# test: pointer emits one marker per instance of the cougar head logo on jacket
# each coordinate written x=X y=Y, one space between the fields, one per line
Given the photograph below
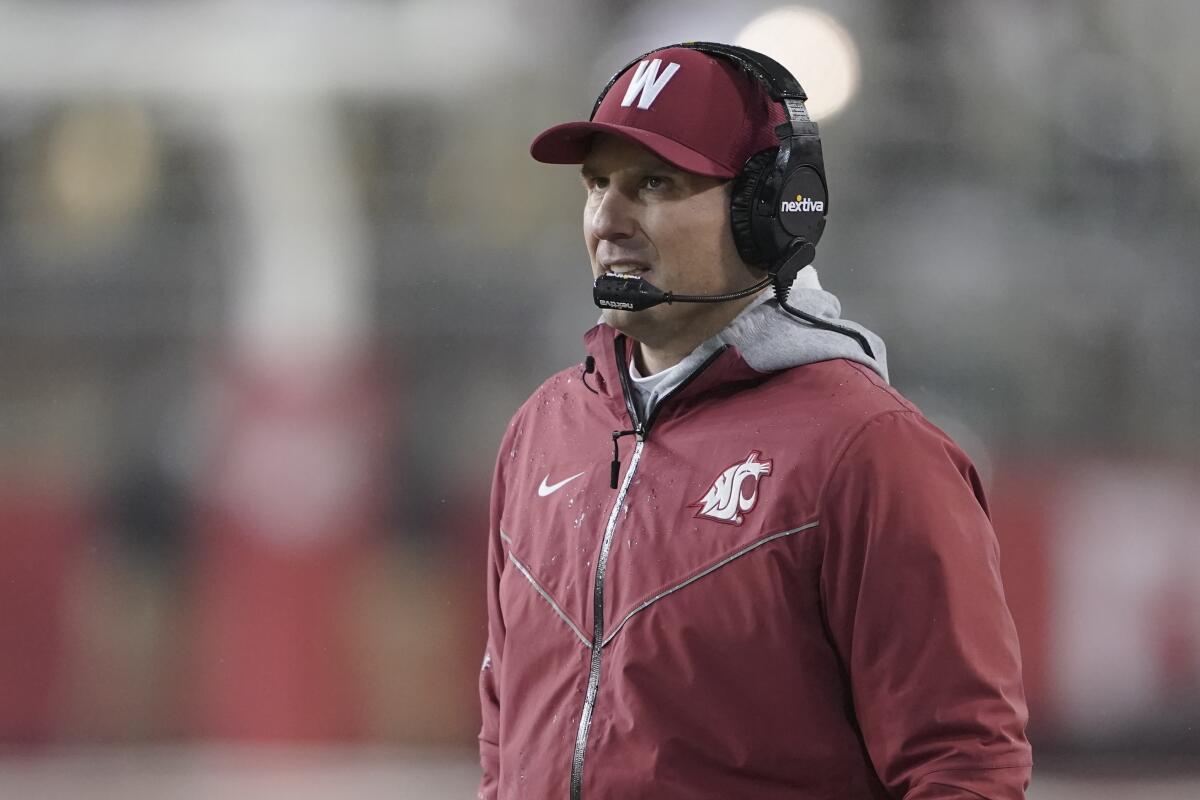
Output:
x=726 y=501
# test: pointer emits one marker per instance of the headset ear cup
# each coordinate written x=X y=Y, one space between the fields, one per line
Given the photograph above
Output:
x=742 y=199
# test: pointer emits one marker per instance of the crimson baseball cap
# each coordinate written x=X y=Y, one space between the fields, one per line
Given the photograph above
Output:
x=696 y=111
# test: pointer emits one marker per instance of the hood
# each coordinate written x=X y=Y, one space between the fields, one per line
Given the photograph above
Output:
x=770 y=339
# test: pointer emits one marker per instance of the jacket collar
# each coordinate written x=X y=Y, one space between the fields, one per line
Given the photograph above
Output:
x=612 y=351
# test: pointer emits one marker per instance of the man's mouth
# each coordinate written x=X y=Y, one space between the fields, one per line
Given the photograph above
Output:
x=625 y=268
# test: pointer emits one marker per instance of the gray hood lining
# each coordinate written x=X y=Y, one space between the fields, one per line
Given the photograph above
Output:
x=770 y=339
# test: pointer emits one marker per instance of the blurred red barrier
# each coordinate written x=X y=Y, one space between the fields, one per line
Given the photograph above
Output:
x=290 y=507
x=42 y=536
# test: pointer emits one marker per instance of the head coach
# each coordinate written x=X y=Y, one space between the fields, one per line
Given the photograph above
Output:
x=726 y=558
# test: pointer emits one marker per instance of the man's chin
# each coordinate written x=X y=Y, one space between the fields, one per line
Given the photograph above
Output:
x=644 y=326
x=621 y=320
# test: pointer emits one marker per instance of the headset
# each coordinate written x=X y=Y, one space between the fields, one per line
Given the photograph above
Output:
x=778 y=203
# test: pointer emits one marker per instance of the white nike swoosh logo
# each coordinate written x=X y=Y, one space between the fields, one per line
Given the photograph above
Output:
x=548 y=489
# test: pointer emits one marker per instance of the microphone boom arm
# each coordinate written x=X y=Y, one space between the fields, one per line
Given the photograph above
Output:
x=637 y=294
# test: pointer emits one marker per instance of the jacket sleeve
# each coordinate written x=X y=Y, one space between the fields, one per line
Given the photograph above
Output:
x=911 y=589
x=492 y=667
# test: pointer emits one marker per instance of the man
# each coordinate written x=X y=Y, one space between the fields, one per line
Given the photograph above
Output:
x=727 y=560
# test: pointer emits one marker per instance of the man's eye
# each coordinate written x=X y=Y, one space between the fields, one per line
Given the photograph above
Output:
x=655 y=182
x=596 y=183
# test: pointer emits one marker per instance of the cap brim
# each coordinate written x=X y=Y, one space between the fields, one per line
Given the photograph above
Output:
x=569 y=142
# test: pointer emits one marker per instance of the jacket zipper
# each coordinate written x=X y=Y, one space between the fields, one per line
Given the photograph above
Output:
x=589 y=701
x=641 y=430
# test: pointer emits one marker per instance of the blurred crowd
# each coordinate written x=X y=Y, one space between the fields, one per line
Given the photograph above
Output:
x=274 y=276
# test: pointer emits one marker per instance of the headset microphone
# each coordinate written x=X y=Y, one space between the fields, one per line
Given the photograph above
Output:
x=637 y=294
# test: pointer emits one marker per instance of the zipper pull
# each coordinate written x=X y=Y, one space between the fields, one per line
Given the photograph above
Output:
x=615 y=472
x=616 y=462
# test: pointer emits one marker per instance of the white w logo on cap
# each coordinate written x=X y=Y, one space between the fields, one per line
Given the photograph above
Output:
x=647 y=81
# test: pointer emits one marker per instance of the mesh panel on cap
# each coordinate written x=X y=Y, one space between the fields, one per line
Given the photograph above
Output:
x=762 y=116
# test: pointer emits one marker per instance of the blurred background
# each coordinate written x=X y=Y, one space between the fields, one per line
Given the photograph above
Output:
x=274 y=275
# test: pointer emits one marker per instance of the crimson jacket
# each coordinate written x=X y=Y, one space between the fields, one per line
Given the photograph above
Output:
x=793 y=591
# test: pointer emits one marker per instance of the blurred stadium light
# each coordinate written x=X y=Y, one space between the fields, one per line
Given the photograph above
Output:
x=811 y=43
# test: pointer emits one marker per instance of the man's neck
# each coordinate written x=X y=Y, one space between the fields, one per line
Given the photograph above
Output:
x=651 y=361
x=654 y=358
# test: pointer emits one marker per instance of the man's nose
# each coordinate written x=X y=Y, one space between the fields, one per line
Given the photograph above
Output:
x=611 y=216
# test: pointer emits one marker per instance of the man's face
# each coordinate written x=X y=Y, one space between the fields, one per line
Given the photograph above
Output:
x=647 y=218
